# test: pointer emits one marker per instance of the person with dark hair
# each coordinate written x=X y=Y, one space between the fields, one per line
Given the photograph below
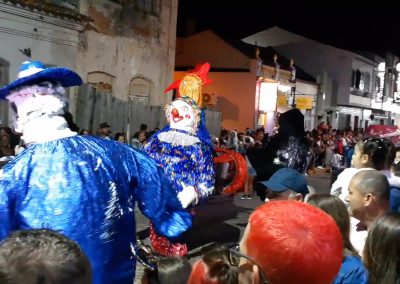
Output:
x=168 y=269
x=352 y=269
x=142 y=129
x=215 y=267
x=84 y=132
x=290 y=242
x=5 y=147
x=70 y=121
x=42 y=256
x=381 y=253
x=139 y=140
x=14 y=137
x=370 y=154
x=120 y=137
x=368 y=200
x=286 y=149
x=104 y=130
x=377 y=152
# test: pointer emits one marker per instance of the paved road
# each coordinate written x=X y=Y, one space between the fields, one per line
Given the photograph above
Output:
x=222 y=219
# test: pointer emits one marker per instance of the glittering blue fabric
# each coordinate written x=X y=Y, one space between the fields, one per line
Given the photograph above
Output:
x=202 y=132
x=85 y=188
x=191 y=164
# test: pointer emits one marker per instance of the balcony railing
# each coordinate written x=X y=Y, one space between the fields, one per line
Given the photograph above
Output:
x=270 y=72
x=360 y=93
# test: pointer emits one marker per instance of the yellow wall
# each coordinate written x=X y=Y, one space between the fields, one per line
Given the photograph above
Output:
x=236 y=97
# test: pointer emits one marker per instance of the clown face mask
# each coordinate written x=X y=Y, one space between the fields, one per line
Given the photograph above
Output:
x=182 y=116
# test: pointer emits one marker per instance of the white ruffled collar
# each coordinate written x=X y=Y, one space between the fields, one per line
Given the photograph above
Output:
x=46 y=129
x=178 y=138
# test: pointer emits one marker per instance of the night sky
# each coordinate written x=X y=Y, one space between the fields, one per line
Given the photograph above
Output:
x=366 y=26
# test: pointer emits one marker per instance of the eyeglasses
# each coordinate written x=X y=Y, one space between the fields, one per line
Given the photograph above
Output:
x=234 y=259
x=145 y=256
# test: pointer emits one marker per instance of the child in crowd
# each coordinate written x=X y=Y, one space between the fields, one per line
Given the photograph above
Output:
x=337 y=165
x=370 y=154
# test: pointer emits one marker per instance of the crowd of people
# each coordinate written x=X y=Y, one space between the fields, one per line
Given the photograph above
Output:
x=360 y=236
x=67 y=201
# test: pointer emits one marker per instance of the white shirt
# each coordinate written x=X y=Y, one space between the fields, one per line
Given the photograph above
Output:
x=340 y=187
x=357 y=236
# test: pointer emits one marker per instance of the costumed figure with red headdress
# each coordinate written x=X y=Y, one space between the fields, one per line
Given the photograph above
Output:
x=81 y=186
x=184 y=150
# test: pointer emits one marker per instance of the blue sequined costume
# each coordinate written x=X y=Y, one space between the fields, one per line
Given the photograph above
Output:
x=184 y=158
x=86 y=188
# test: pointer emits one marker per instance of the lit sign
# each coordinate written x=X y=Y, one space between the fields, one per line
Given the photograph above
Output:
x=304 y=102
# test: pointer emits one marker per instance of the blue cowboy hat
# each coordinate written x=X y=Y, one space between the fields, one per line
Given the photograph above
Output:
x=34 y=72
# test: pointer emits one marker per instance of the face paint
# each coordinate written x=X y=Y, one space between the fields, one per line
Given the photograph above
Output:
x=181 y=116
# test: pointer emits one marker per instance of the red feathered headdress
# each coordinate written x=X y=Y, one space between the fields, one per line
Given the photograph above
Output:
x=191 y=84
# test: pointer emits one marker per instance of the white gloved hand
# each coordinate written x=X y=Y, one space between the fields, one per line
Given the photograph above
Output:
x=187 y=195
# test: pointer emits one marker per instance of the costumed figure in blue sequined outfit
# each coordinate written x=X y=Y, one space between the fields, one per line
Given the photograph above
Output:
x=182 y=151
x=81 y=186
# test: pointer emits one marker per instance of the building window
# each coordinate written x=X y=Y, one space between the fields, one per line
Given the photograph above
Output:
x=353 y=78
x=362 y=81
x=358 y=79
x=140 y=90
x=367 y=82
x=102 y=81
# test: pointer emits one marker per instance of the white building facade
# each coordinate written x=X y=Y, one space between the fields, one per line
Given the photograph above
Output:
x=124 y=48
x=350 y=85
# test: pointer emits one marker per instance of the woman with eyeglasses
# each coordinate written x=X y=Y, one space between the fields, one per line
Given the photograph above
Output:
x=352 y=269
x=218 y=266
x=381 y=253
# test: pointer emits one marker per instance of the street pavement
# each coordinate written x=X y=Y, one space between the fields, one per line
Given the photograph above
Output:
x=221 y=219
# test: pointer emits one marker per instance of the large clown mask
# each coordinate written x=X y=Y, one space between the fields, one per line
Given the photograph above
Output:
x=183 y=114
x=35 y=103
